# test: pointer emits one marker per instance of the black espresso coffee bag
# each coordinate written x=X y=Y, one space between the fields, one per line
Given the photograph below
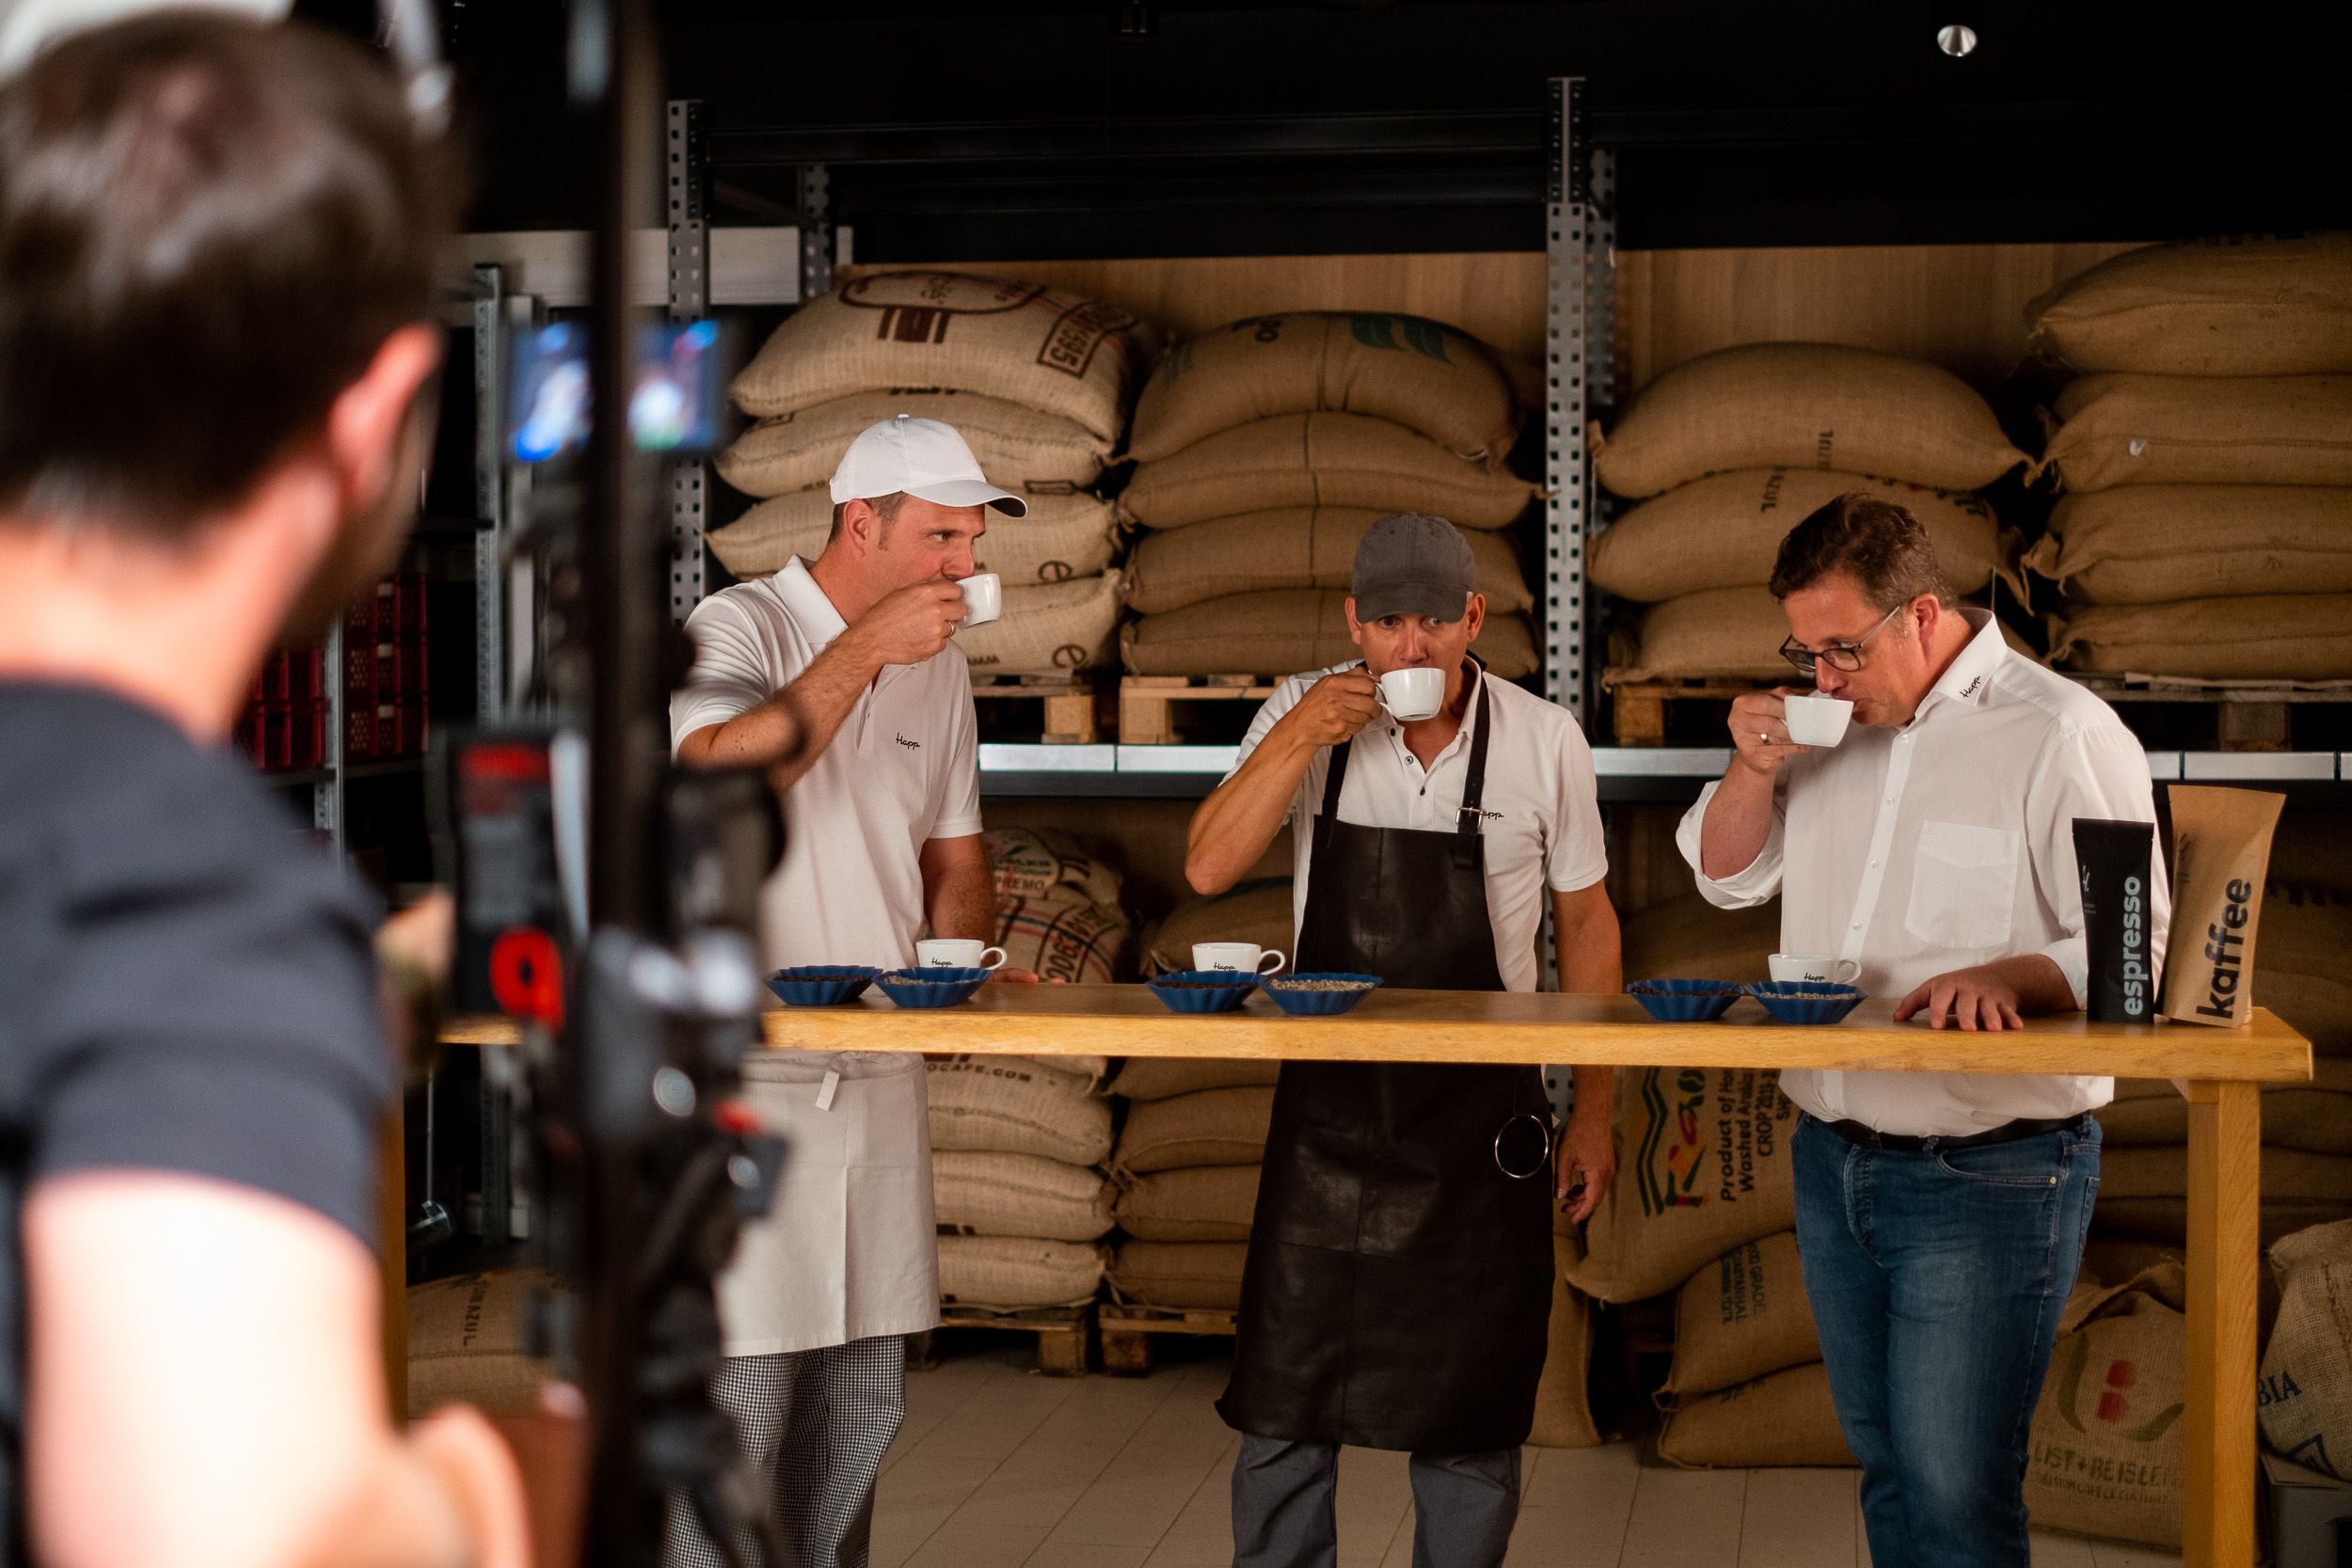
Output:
x=2220 y=850
x=2114 y=858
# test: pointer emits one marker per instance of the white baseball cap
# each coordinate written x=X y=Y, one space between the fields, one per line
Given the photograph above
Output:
x=925 y=459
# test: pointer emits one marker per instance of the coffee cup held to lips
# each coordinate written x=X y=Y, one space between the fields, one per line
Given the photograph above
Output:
x=957 y=953
x=983 y=597
x=1413 y=695
x=1798 y=966
x=1816 y=720
x=1236 y=958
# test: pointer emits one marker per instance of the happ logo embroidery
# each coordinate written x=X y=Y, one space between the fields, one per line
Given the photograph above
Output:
x=910 y=745
x=1970 y=689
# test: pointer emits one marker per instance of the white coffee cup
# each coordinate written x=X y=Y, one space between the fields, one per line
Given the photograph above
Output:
x=1236 y=958
x=1797 y=966
x=957 y=953
x=983 y=597
x=1817 y=720
x=1413 y=695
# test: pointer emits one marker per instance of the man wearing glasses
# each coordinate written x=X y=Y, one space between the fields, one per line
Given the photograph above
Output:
x=1939 y=1214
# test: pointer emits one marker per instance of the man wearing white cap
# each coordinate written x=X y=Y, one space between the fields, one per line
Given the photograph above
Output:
x=839 y=679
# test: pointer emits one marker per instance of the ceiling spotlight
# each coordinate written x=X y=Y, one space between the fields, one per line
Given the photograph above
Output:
x=1958 y=41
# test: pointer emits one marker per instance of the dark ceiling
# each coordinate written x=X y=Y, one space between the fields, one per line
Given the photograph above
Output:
x=972 y=131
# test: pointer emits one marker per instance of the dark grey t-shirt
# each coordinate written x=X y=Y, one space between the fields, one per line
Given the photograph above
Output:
x=185 y=986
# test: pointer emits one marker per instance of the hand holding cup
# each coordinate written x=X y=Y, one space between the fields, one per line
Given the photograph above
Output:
x=1759 y=730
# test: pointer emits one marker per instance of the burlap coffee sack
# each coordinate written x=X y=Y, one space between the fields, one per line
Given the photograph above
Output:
x=2206 y=308
x=1285 y=630
x=1726 y=633
x=976 y=1194
x=1300 y=547
x=1165 y=1077
x=1062 y=936
x=2288 y=1175
x=2305 y=979
x=1320 y=460
x=2152 y=544
x=2165 y=1220
x=470 y=1342
x=1035 y=863
x=1258 y=912
x=1063 y=538
x=1786 y=1419
x=1079 y=359
x=1017 y=448
x=1422 y=374
x=1805 y=405
x=1743 y=1317
x=2106 y=1456
x=2169 y=430
x=2304 y=1400
x=1725 y=531
x=1564 y=1399
x=1002 y=1104
x=1196 y=1203
x=1689 y=939
x=1006 y=1273
x=2314 y=1117
x=1047 y=629
x=1702 y=1167
x=1202 y=1274
x=2273 y=637
x=1093 y=1072
x=1209 y=1127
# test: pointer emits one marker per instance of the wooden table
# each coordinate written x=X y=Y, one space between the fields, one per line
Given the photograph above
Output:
x=2219 y=1069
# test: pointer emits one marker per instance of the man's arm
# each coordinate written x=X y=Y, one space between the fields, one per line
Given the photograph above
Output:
x=790 y=731
x=1233 y=826
x=1584 y=928
x=958 y=894
x=205 y=1388
x=1738 y=823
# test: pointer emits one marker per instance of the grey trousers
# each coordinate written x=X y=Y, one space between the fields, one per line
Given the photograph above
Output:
x=1464 y=1505
x=815 y=1424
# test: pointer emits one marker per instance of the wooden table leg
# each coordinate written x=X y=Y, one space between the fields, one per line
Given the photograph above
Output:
x=2224 y=1253
x=391 y=1206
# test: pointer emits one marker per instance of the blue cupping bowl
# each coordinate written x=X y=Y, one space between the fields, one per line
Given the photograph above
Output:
x=1805 y=1001
x=1685 y=1000
x=1203 y=991
x=820 y=985
x=931 y=987
x=1318 y=995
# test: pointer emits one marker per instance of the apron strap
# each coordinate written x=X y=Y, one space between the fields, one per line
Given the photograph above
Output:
x=1474 y=787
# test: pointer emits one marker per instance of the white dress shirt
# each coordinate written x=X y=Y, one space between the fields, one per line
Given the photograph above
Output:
x=1942 y=844
x=848 y=1251
x=1542 y=810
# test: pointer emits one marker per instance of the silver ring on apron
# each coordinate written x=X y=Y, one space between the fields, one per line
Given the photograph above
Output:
x=1543 y=1125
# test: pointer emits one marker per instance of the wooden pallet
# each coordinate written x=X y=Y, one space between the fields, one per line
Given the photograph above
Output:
x=1069 y=699
x=1148 y=704
x=1641 y=705
x=1127 y=1332
x=1061 y=1335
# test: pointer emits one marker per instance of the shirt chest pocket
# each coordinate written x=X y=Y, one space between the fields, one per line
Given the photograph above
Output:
x=1963 y=888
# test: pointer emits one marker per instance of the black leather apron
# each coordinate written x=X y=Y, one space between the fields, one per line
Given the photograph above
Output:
x=1399 y=1280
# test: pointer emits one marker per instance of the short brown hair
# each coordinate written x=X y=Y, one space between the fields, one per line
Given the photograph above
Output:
x=208 y=228
x=886 y=507
x=1875 y=541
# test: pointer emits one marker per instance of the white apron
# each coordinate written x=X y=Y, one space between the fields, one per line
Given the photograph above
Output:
x=850 y=1251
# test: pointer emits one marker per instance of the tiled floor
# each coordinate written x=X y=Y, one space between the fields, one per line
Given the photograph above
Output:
x=997 y=1467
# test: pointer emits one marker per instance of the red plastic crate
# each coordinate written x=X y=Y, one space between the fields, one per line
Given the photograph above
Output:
x=309 y=723
x=415 y=607
x=370 y=731
x=306 y=674
x=277 y=671
x=414 y=726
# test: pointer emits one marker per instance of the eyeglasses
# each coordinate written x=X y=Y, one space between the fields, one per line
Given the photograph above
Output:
x=1846 y=657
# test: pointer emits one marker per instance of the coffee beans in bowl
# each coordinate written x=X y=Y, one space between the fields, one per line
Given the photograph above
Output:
x=1318 y=995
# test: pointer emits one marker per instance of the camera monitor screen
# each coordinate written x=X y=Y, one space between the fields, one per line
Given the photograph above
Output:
x=673 y=405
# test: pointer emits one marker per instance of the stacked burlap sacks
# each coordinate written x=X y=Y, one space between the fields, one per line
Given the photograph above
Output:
x=1268 y=447
x=1058 y=914
x=2305 y=1397
x=1017 y=1152
x=2105 y=1455
x=1187 y=1167
x=2206 y=460
x=470 y=1342
x=1728 y=452
x=1039 y=384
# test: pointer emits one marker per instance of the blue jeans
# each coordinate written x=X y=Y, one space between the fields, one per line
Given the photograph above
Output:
x=1937 y=1279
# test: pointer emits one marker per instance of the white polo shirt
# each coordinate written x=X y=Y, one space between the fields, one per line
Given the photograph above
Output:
x=903 y=769
x=1942 y=844
x=1542 y=809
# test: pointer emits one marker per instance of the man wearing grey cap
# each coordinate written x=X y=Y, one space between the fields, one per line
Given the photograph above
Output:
x=1400 y=1270
x=837 y=676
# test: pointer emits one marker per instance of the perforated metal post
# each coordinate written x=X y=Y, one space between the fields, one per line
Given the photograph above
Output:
x=690 y=300
x=815 y=232
x=1579 y=264
x=490 y=323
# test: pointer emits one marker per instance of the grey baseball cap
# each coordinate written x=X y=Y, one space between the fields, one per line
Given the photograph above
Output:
x=1411 y=564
